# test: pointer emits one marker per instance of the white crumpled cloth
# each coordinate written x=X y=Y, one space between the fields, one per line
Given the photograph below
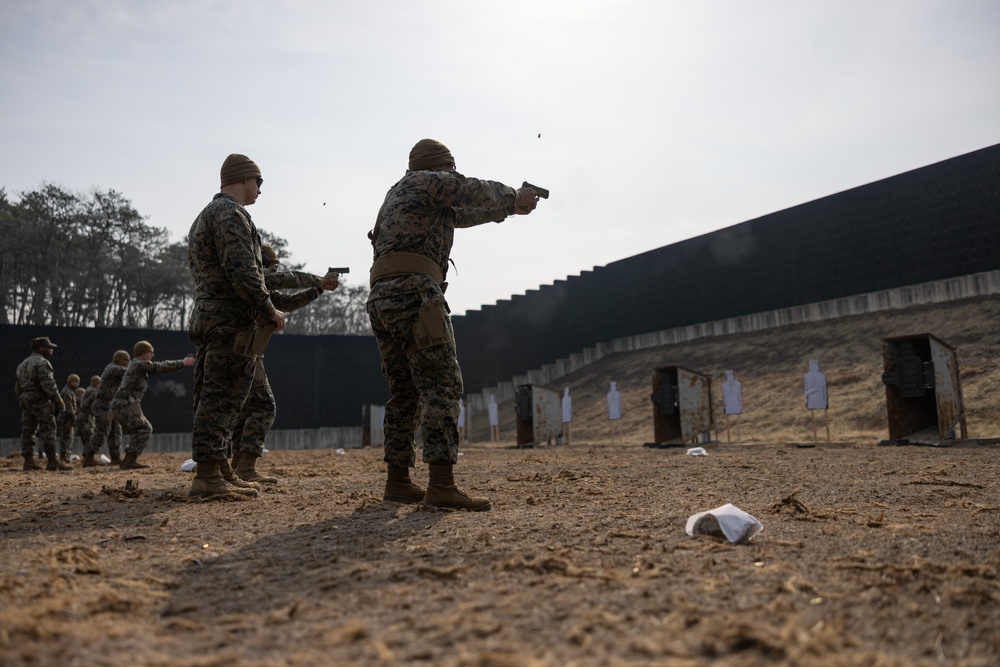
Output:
x=727 y=521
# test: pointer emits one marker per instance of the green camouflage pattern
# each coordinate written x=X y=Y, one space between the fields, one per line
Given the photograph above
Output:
x=38 y=397
x=258 y=412
x=420 y=214
x=107 y=427
x=86 y=404
x=38 y=418
x=107 y=430
x=225 y=261
x=255 y=419
x=224 y=258
x=35 y=381
x=127 y=403
x=111 y=380
x=424 y=386
x=135 y=380
x=68 y=395
x=84 y=419
x=66 y=420
x=282 y=279
x=222 y=389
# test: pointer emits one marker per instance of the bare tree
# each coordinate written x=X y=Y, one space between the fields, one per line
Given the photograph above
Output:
x=92 y=260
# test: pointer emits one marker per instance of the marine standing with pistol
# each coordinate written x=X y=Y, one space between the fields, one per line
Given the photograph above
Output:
x=224 y=256
x=258 y=413
x=412 y=242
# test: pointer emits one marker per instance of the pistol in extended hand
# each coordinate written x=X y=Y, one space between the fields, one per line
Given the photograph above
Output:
x=342 y=269
x=541 y=192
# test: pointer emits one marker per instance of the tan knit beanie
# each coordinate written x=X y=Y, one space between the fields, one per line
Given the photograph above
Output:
x=238 y=168
x=73 y=378
x=269 y=254
x=427 y=154
x=142 y=347
x=95 y=380
x=120 y=355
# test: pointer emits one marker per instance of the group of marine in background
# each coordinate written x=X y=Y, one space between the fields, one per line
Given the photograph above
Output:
x=101 y=414
x=111 y=407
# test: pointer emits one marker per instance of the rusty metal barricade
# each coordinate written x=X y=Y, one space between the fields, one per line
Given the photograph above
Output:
x=682 y=406
x=538 y=412
x=923 y=391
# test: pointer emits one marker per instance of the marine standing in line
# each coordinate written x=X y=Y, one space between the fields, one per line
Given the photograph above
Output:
x=412 y=242
x=107 y=425
x=38 y=396
x=127 y=403
x=84 y=425
x=85 y=415
x=66 y=420
x=233 y=318
x=258 y=413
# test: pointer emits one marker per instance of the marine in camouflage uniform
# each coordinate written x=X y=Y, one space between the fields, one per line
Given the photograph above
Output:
x=84 y=418
x=39 y=399
x=66 y=420
x=127 y=403
x=258 y=413
x=107 y=425
x=412 y=243
x=224 y=257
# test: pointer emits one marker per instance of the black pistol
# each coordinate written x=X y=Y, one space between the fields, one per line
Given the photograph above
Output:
x=541 y=192
x=341 y=270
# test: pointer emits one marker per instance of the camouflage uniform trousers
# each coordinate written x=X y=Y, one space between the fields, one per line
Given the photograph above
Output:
x=424 y=384
x=222 y=377
x=67 y=432
x=222 y=383
x=257 y=415
x=107 y=429
x=136 y=427
x=37 y=417
x=85 y=429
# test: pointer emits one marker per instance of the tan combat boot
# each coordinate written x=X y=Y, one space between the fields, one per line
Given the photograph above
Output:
x=246 y=471
x=130 y=462
x=30 y=463
x=399 y=488
x=116 y=459
x=90 y=460
x=208 y=482
x=230 y=477
x=52 y=462
x=442 y=492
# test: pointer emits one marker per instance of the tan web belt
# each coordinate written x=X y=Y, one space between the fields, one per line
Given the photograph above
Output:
x=403 y=263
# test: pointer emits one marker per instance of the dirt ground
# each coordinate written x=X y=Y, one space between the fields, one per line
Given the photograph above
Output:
x=869 y=556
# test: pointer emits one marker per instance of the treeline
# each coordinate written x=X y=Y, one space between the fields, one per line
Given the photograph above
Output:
x=91 y=260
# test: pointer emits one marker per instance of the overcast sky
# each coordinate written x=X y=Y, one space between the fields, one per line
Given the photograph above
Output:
x=659 y=120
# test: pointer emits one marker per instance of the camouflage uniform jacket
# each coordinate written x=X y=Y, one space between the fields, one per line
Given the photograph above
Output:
x=87 y=402
x=136 y=380
x=289 y=279
x=35 y=381
x=276 y=280
x=111 y=379
x=225 y=261
x=420 y=214
x=68 y=395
